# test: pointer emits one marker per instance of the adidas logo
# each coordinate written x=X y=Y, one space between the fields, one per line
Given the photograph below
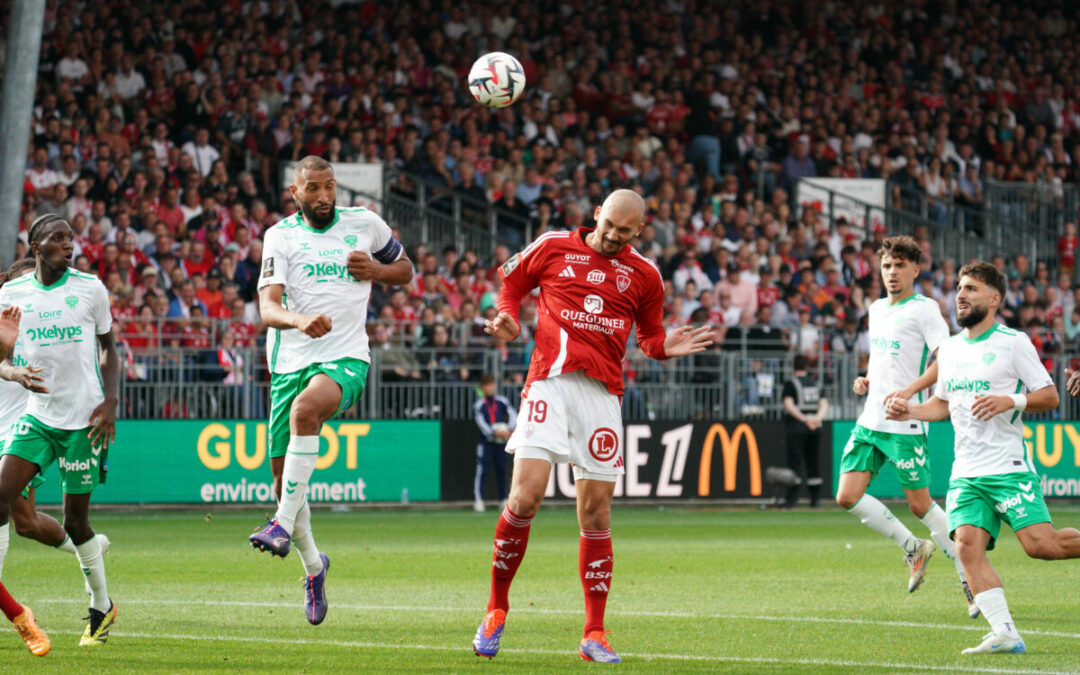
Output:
x=600 y=587
x=500 y=565
x=568 y=272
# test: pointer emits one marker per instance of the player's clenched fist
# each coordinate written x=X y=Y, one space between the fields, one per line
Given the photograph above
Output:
x=313 y=325
x=860 y=386
x=502 y=326
x=361 y=266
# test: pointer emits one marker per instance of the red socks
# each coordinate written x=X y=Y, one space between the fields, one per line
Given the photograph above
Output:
x=9 y=605
x=511 y=538
x=595 y=564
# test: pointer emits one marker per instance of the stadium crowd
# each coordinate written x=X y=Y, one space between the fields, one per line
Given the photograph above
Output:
x=159 y=131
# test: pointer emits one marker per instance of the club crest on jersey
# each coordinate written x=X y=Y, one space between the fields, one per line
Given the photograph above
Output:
x=988 y=358
x=350 y=239
x=268 y=267
x=622 y=282
x=71 y=301
x=510 y=265
x=596 y=277
x=594 y=304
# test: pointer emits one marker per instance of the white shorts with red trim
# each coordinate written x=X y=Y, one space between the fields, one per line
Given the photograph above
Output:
x=571 y=418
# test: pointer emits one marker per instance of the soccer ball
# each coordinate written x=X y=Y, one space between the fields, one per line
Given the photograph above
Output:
x=496 y=80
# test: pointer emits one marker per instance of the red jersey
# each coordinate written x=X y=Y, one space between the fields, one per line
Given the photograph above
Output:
x=588 y=304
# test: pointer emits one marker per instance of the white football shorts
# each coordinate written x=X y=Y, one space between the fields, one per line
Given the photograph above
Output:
x=571 y=418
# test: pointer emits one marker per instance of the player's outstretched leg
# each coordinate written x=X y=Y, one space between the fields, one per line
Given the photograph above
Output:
x=22 y=618
x=852 y=496
x=511 y=540
x=316 y=565
x=971 y=545
x=595 y=565
x=938 y=523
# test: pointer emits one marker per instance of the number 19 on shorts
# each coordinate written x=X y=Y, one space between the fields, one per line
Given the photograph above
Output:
x=537 y=411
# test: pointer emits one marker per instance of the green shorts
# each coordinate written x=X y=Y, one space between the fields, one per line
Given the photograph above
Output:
x=985 y=501
x=867 y=450
x=80 y=468
x=350 y=375
x=37 y=481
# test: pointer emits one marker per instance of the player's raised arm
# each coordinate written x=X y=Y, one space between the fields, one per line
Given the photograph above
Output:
x=363 y=267
x=274 y=315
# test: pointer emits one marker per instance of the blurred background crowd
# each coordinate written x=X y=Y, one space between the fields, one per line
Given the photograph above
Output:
x=160 y=132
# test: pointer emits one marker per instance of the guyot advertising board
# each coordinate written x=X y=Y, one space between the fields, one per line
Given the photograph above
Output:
x=228 y=461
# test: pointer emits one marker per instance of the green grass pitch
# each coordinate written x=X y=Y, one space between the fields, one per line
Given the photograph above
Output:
x=709 y=590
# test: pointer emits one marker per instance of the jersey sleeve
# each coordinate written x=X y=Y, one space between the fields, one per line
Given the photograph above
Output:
x=384 y=247
x=935 y=330
x=789 y=391
x=520 y=274
x=1029 y=369
x=275 y=264
x=102 y=313
x=650 y=319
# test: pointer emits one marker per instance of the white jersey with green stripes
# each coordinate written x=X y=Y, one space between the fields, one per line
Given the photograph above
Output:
x=312 y=266
x=902 y=338
x=999 y=362
x=58 y=333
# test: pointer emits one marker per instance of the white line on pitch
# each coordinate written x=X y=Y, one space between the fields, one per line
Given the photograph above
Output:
x=536 y=610
x=555 y=652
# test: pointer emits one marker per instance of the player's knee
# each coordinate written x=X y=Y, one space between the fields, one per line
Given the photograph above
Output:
x=524 y=503
x=24 y=528
x=846 y=500
x=305 y=418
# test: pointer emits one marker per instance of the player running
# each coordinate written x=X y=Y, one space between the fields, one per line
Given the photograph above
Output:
x=984 y=373
x=65 y=320
x=317 y=269
x=905 y=329
x=17 y=379
x=593 y=288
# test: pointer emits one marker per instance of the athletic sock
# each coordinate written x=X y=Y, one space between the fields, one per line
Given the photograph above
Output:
x=996 y=610
x=68 y=546
x=300 y=461
x=511 y=538
x=5 y=534
x=880 y=519
x=595 y=562
x=305 y=543
x=93 y=568
x=938 y=524
x=9 y=605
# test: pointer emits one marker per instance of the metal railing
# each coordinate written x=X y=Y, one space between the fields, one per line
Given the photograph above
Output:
x=410 y=381
x=968 y=235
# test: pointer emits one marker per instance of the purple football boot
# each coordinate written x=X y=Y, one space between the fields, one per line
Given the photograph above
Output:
x=273 y=537
x=315 y=593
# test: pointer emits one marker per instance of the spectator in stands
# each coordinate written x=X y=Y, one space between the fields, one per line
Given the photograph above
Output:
x=185 y=300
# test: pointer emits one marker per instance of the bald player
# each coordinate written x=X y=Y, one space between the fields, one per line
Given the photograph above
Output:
x=593 y=289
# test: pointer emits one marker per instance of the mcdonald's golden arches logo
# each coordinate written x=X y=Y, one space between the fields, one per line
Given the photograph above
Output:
x=729 y=447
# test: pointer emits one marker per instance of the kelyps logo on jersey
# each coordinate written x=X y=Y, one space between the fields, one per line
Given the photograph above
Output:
x=54 y=332
x=967 y=384
x=326 y=271
x=885 y=344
